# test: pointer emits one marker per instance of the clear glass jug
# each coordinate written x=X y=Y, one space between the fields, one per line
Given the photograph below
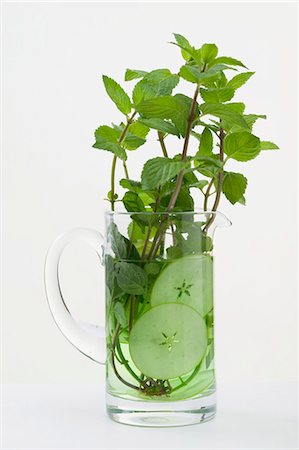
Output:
x=158 y=343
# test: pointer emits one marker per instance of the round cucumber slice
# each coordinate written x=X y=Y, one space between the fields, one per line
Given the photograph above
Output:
x=168 y=341
x=189 y=281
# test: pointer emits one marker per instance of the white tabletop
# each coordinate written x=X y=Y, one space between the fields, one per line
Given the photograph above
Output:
x=68 y=416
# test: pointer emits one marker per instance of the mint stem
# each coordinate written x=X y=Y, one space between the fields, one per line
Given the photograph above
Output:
x=207 y=194
x=188 y=379
x=132 y=307
x=220 y=175
x=162 y=143
x=220 y=182
x=126 y=170
x=113 y=167
x=115 y=341
x=179 y=180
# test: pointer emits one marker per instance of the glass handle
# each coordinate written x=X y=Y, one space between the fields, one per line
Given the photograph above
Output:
x=87 y=338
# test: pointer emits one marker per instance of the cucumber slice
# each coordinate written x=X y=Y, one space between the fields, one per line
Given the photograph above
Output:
x=168 y=341
x=201 y=382
x=189 y=281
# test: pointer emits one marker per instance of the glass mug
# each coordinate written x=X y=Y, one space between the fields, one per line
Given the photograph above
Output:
x=158 y=343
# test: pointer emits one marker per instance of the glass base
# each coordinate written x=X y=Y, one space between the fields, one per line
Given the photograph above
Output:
x=161 y=414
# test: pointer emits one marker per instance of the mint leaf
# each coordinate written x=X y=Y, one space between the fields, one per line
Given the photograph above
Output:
x=242 y=146
x=158 y=170
x=221 y=82
x=227 y=60
x=209 y=166
x=200 y=184
x=137 y=231
x=161 y=107
x=195 y=75
x=156 y=83
x=134 y=186
x=109 y=267
x=184 y=201
x=238 y=81
x=117 y=241
x=234 y=186
x=120 y=313
x=139 y=129
x=110 y=196
x=242 y=200
x=116 y=291
x=106 y=139
x=181 y=40
x=197 y=242
x=175 y=108
x=187 y=50
x=267 y=145
x=132 y=202
x=208 y=52
x=190 y=73
x=147 y=197
x=117 y=95
x=206 y=143
x=107 y=133
x=237 y=107
x=160 y=125
x=132 y=142
x=250 y=119
x=219 y=95
x=131 y=278
x=133 y=74
x=135 y=135
x=174 y=252
x=224 y=112
x=213 y=159
x=181 y=112
x=189 y=178
x=152 y=268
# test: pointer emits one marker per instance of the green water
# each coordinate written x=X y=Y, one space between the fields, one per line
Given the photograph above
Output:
x=160 y=343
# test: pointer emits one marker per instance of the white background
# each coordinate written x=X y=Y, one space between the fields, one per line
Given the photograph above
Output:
x=54 y=55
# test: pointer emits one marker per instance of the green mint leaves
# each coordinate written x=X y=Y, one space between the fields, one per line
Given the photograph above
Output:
x=208 y=53
x=107 y=139
x=223 y=112
x=206 y=143
x=197 y=136
x=158 y=170
x=234 y=186
x=267 y=145
x=228 y=60
x=242 y=146
x=156 y=83
x=174 y=108
x=131 y=278
x=133 y=74
x=238 y=81
x=117 y=95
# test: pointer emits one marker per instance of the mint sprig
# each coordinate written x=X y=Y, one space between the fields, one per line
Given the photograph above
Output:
x=212 y=130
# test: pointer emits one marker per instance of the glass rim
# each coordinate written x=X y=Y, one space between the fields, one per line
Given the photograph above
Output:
x=153 y=213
